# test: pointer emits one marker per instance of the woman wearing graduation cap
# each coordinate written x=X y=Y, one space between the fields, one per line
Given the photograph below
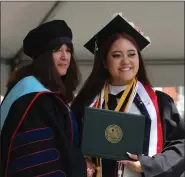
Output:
x=119 y=82
x=40 y=134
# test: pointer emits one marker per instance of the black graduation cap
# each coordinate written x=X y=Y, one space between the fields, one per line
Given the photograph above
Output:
x=117 y=25
x=46 y=37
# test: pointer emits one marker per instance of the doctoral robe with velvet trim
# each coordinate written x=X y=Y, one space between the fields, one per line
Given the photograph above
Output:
x=40 y=138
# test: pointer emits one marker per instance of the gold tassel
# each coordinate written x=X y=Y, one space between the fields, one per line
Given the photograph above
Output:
x=98 y=168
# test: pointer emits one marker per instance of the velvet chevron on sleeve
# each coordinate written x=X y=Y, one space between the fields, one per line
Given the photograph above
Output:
x=41 y=142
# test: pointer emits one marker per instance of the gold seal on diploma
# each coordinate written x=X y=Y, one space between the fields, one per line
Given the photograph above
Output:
x=113 y=133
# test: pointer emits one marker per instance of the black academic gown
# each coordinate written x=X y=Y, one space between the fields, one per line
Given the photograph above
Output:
x=170 y=162
x=45 y=144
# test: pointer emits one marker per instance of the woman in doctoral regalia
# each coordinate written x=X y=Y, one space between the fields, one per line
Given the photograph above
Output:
x=40 y=135
x=119 y=82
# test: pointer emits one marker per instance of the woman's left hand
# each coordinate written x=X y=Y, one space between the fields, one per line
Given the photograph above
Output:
x=135 y=165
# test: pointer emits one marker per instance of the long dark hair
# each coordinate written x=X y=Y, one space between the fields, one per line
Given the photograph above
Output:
x=99 y=74
x=43 y=69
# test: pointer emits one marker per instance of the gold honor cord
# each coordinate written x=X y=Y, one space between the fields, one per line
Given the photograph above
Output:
x=133 y=90
x=120 y=103
x=123 y=97
x=98 y=168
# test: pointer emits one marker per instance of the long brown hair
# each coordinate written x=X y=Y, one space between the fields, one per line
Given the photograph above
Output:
x=43 y=69
x=99 y=74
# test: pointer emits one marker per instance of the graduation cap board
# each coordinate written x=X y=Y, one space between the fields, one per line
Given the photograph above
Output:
x=117 y=25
